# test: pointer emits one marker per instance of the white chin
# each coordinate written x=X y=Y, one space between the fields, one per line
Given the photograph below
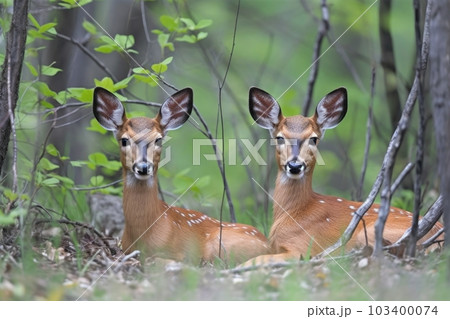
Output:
x=295 y=176
x=143 y=177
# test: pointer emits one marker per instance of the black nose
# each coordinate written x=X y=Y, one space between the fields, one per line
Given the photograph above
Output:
x=142 y=168
x=295 y=167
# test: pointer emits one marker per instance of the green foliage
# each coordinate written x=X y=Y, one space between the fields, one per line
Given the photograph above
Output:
x=180 y=29
x=120 y=43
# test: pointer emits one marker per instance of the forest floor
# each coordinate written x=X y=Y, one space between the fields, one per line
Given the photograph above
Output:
x=73 y=261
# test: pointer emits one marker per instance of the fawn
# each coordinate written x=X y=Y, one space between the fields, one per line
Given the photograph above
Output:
x=151 y=225
x=302 y=219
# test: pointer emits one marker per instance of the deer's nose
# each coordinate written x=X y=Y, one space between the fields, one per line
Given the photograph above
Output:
x=141 y=168
x=295 y=167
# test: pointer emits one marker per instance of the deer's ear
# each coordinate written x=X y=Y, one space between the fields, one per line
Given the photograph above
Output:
x=264 y=109
x=331 y=109
x=176 y=110
x=108 y=110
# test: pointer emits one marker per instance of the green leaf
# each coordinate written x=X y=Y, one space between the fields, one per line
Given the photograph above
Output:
x=50 y=182
x=11 y=218
x=45 y=164
x=96 y=127
x=46 y=27
x=78 y=163
x=10 y=195
x=187 y=38
x=105 y=49
x=203 y=24
x=98 y=158
x=203 y=181
x=61 y=97
x=106 y=83
x=167 y=60
x=44 y=89
x=124 y=41
x=163 y=40
x=201 y=35
x=96 y=180
x=189 y=23
x=152 y=80
x=169 y=23
x=31 y=68
x=89 y=27
x=162 y=67
x=66 y=182
x=52 y=150
x=69 y=4
x=81 y=94
x=123 y=84
x=49 y=70
x=34 y=21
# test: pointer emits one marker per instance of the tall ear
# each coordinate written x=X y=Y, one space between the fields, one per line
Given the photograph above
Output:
x=264 y=108
x=108 y=110
x=176 y=110
x=331 y=109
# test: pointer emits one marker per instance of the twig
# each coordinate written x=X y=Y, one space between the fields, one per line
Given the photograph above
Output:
x=401 y=177
x=220 y=115
x=425 y=224
x=125 y=258
x=323 y=29
x=95 y=187
x=78 y=224
x=89 y=54
x=368 y=138
x=339 y=49
x=432 y=240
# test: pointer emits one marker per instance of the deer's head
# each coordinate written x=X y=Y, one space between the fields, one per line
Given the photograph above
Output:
x=297 y=137
x=140 y=138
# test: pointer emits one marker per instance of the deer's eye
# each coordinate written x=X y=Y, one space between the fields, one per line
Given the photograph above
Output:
x=280 y=140
x=313 y=140
x=124 y=141
x=158 y=141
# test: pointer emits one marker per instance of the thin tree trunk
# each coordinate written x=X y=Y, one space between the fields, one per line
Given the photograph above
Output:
x=11 y=71
x=440 y=93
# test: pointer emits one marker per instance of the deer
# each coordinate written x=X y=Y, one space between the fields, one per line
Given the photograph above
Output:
x=152 y=226
x=305 y=222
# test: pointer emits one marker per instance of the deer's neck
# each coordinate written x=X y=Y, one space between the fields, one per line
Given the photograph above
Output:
x=141 y=205
x=292 y=196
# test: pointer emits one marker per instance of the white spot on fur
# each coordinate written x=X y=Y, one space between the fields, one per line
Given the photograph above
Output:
x=339 y=199
x=322 y=201
x=351 y=207
x=328 y=220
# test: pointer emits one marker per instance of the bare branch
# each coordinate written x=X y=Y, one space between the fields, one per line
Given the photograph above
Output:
x=388 y=162
x=401 y=177
x=323 y=29
x=398 y=137
x=425 y=224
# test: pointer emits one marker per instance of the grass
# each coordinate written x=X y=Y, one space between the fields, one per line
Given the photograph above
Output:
x=86 y=269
